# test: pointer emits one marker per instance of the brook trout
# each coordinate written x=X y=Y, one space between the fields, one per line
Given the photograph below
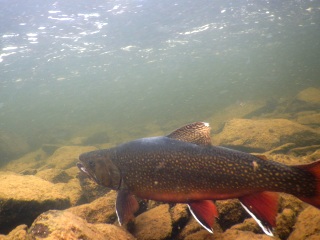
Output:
x=183 y=167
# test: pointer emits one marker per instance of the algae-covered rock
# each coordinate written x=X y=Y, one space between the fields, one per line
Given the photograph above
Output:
x=61 y=225
x=179 y=216
x=238 y=110
x=230 y=213
x=285 y=222
x=265 y=134
x=67 y=156
x=154 y=224
x=309 y=95
x=73 y=190
x=232 y=234
x=90 y=189
x=23 y=198
x=311 y=118
x=307 y=226
x=29 y=161
x=102 y=210
x=54 y=175
x=19 y=233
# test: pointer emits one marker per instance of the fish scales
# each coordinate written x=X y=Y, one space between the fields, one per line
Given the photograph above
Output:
x=191 y=168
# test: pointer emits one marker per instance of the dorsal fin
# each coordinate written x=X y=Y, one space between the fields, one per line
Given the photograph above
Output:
x=261 y=156
x=197 y=132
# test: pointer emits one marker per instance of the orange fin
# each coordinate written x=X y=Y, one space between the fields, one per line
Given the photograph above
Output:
x=314 y=169
x=126 y=206
x=197 y=132
x=263 y=207
x=204 y=212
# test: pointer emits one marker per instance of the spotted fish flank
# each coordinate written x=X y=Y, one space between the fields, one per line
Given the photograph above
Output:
x=183 y=167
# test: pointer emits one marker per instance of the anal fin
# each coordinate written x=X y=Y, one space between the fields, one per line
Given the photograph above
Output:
x=204 y=212
x=263 y=207
x=126 y=206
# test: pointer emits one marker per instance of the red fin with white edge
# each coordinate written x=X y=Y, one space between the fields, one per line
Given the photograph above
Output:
x=314 y=169
x=263 y=207
x=204 y=212
x=126 y=206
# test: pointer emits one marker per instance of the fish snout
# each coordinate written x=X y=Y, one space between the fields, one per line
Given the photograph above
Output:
x=84 y=170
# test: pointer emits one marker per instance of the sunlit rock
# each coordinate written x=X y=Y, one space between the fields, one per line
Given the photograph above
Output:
x=310 y=95
x=23 y=198
x=65 y=225
x=264 y=134
x=101 y=210
x=154 y=224
x=310 y=231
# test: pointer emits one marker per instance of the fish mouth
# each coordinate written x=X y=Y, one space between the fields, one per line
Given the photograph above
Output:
x=84 y=170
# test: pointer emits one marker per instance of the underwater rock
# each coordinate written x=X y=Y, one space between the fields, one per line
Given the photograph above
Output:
x=12 y=146
x=67 y=156
x=230 y=213
x=310 y=231
x=90 y=190
x=249 y=225
x=285 y=222
x=30 y=161
x=232 y=234
x=310 y=118
x=191 y=227
x=201 y=235
x=179 y=215
x=154 y=224
x=19 y=233
x=309 y=95
x=50 y=148
x=61 y=225
x=23 y=198
x=306 y=100
x=237 y=110
x=54 y=175
x=264 y=134
x=73 y=190
x=101 y=210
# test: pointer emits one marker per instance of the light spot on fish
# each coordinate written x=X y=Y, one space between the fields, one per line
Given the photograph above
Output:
x=255 y=166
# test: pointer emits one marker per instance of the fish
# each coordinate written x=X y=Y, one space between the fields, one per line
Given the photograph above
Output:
x=184 y=167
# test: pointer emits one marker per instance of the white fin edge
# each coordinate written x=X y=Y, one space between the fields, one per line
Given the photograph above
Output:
x=206 y=124
x=210 y=230
x=118 y=215
x=266 y=230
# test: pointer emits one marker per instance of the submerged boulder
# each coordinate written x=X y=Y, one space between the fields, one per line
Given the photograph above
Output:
x=61 y=225
x=309 y=95
x=310 y=231
x=265 y=134
x=66 y=157
x=102 y=210
x=154 y=224
x=23 y=198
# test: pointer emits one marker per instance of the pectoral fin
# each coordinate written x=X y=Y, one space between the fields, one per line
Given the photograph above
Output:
x=204 y=212
x=126 y=206
x=263 y=207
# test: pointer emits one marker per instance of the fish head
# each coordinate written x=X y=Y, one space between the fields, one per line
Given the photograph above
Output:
x=99 y=167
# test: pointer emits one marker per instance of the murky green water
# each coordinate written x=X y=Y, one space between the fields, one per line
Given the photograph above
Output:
x=67 y=65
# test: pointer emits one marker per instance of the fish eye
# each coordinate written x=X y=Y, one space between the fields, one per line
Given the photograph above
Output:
x=91 y=164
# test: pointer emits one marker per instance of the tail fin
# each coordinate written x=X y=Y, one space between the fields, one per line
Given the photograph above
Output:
x=314 y=169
